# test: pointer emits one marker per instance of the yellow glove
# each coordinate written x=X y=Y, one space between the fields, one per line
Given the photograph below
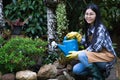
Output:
x=73 y=54
x=73 y=35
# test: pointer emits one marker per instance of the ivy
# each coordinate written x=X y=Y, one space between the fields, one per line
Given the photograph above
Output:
x=62 y=22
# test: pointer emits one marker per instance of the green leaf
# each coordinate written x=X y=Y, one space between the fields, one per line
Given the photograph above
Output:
x=14 y=1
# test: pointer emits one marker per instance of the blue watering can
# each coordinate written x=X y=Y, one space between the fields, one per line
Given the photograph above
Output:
x=68 y=45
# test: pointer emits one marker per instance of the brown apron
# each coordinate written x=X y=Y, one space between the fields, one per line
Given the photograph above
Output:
x=103 y=56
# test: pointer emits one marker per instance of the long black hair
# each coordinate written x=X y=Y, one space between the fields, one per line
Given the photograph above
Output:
x=97 y=21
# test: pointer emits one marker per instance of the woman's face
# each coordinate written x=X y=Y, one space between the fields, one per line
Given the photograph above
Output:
x=90 y=16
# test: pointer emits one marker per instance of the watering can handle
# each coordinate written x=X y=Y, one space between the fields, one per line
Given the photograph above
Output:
x=65 y=38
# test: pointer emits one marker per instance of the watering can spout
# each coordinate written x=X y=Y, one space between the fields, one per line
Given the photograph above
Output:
x=62 y=48
x=68 y=45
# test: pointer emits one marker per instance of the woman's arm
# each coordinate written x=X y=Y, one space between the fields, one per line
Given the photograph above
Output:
x=97 y=44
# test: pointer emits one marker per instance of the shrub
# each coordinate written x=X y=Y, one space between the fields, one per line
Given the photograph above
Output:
x=19 y=53
x=50 y=58
x=2 y=41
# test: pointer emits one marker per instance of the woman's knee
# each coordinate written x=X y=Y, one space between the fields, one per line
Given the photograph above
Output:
x=78 y=68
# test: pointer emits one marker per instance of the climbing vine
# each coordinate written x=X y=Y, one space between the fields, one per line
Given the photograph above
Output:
x=62 y=22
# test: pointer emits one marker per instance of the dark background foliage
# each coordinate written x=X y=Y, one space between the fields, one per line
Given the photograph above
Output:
x=37 y=26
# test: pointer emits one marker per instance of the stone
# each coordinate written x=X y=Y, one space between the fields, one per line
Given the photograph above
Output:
x=8 y=76
x=47 y=71
x=26 y=75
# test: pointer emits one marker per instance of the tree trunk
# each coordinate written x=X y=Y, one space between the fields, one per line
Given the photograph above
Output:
x=1 y=16
x=51 y=22
x=51 y=25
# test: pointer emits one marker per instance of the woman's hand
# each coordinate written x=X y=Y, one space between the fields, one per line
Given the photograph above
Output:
x=73 y=54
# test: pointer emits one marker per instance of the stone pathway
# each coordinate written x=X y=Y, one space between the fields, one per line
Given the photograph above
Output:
x=112 y=75
x=115 y=72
